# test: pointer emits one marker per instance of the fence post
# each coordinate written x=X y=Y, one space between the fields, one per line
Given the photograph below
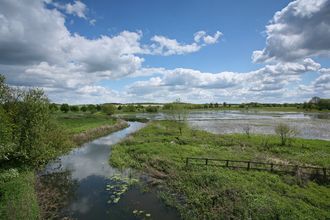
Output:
x=249 y=215
x=271 y=167
x=324 y=174
x=248 y=168
x=206 y=159
x=227 y=164
x=186 y=161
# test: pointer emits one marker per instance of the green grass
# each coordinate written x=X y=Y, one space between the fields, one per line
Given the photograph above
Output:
x=76 y=126
x=18 y=200
x=222 y=193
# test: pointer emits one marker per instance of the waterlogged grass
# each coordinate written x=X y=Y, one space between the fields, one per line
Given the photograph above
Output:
x=78 y=125
x=222 y=193
x=18 y=199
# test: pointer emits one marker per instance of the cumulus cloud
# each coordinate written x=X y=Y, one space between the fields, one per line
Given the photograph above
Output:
x=300 y=30
x=323 y=70
x=92 y=22
x=78 y=8
x=207 y=39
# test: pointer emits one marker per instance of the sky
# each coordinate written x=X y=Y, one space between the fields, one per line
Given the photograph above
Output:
x=201 y=51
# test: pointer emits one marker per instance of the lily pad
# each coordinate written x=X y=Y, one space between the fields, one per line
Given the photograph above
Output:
x=109 y=201
x=116 y=200
x=135 y=211
x=148 y=215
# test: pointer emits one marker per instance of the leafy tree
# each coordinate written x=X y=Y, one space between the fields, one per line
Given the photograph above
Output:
x=53 y=107
x=179 y=114
x=241 y=105
x=119 y=107
x=206 y=106
x=93 y=111
x=224 y=104
x=91 y=107
x=152 y=108
x=98 y=107
x=286 y=132
x=83 y=108
x=315 y=100
x=216 y=105
x=109 y=109
x=65 y=108
x=168 y=106
x=74 y=108
x=131 y=108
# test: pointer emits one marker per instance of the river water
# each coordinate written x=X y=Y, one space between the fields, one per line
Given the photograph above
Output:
x=91 y=186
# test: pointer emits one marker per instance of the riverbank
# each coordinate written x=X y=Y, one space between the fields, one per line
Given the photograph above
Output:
x=22 y=197
x=223 y=193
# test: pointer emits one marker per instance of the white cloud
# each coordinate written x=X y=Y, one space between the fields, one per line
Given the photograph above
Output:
x=323 y=70
x=92 y=22
x=198 y=35
x=78 y=8
x=207 y=39
x=300 y=30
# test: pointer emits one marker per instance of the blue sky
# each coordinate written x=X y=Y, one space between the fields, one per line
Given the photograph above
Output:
x=80 y=52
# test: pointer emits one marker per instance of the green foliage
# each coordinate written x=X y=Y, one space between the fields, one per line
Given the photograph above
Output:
x=98 y=107
x=93 y=111
x=83 y=108
x=65 y=107
x=152 y=108
x=221 y=193
x=91 y=107
x=242 y=105
x=53 y=107
x=74 y=108
x=109 y=109
x=119 y=107
x=129 y=108
x=168 y=106
x=179 y=114
x=286 y=132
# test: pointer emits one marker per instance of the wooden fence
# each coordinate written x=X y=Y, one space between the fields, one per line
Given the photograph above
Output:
x=272 y=167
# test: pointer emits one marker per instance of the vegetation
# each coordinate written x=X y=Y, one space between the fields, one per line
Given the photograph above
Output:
x=65 y=108
x=286 y=132
x=74 y=108
x=222 y=193
x=109 y=109
x=179 y=114
x=83 y=108
x=152 y=108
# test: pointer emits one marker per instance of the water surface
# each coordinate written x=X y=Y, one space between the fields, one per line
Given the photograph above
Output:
x=82 y=177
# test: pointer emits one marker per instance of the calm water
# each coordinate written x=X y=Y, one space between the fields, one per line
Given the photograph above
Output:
x=83 y=176
x=310 y=124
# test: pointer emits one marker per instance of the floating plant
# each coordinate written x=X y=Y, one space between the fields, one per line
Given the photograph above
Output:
x=118 y=186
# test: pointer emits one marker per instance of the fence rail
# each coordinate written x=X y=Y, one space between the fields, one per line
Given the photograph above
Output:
x=272 y=167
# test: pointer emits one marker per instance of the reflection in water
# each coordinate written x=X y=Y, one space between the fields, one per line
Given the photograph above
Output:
x=83 y=177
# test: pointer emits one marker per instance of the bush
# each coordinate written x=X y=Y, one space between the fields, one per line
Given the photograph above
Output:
x=168 y=106
x=286 y=132
x=119 y=107
x=98 y=107
x=83 y=108
x=109 y=109
x=74 y=108
x=53 y=107
x=65 y=108
x=152 y=108
x=91 y=107
x=93 y=111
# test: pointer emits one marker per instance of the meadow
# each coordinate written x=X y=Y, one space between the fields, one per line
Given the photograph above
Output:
x=208 y=192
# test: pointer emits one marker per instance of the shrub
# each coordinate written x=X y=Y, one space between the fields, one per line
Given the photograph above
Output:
x=109 y=109
x=286 y=132
x=65 y=108
x=53 y=107
x=91 y=107
x=74 y=108
x=98 y=107
x=152 y=108
x=93 y=111
x=168 y=106
x=83 y=108
x=119 y=107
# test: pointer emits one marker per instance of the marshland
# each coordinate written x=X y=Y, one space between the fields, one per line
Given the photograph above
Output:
x=110 y=163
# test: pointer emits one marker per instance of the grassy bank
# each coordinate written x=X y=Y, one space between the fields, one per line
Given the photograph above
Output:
x=222 y=193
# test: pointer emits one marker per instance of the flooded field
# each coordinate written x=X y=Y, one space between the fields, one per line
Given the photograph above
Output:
x=311 y=125
x=95 y=190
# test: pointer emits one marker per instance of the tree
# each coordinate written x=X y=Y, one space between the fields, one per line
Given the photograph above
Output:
x=74 y=108
x=168 y=106
x=91 y=107
x=286 y=132
x=179 y=115
x=119 y=107
x=315 y=100
x=131 y=108
x=83 y=108
x=98 y=107
x=152 y=108
x=53 y=107
x=65 y=108
x=109 y=109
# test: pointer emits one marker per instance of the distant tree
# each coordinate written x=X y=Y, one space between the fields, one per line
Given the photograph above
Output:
x=93 y=111
x=216 y=105
x=139 y=106
x=119 y=107
x=65 y=108
x=168 y=106
x=206 y=106
x=109 y=109
x=285 y=105
x=211 y=105
x=131 y=108
x=74 y=108
x=91 y=107
x=98 y=107
x=225 y=104
x=315 y=100
x=53 y=107
x=152 y=108
x=83 y=108
x=241 y=105
x=125 y=108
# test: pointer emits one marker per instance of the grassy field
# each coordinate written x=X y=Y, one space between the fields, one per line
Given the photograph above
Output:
x=222 y=193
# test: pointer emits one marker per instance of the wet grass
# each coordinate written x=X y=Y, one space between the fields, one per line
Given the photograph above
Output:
x=222 y=193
